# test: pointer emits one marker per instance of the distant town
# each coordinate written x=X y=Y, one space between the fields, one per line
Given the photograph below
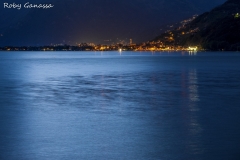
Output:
x=148 y=46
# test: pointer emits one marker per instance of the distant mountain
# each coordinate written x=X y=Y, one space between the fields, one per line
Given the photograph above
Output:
x=218 y=29
x=98 y=21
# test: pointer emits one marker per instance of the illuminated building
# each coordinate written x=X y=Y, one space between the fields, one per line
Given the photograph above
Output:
x=192 y=48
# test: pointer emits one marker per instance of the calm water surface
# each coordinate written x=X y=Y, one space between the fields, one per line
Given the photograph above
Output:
x=129 y=105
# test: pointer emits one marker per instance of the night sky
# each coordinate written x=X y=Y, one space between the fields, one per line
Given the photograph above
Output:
x=97 y=21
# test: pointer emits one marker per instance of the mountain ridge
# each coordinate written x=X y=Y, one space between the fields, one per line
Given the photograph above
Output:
x=218 y=29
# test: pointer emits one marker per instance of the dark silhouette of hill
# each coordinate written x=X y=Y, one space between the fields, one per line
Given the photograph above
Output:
x=218 y=29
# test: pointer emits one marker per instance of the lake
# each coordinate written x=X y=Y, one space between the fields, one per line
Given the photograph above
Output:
x=120 y=105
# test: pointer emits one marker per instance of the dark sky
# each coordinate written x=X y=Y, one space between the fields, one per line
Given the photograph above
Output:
x=75 y=21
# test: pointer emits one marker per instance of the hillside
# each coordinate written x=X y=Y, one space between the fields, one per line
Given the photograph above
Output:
x=218 y=29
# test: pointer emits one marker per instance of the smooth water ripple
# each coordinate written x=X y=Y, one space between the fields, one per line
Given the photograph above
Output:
x=106 y=105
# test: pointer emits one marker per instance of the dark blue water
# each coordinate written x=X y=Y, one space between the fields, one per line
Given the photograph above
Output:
x=129 y=105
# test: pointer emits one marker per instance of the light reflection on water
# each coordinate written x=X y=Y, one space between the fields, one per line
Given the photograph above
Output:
x=111 y=105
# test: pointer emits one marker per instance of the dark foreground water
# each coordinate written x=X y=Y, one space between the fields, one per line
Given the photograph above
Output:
x=128 y=106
